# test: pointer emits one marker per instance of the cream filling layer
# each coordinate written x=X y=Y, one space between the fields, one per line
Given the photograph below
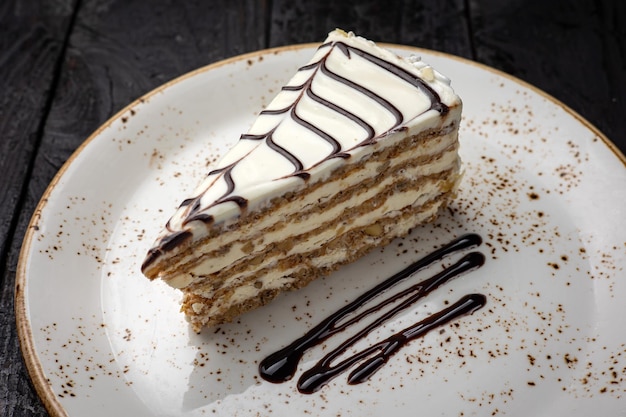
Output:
x=391 y=209
x=275 y=279
x=313 y=221
x=257 y=231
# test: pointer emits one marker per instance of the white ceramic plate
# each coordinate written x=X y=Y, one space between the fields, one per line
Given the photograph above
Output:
x=543 y=187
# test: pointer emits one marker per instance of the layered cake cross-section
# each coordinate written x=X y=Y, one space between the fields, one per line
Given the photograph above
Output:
x=359 y=147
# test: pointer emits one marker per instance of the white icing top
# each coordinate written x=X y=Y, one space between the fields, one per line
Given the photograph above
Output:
x=351 y=94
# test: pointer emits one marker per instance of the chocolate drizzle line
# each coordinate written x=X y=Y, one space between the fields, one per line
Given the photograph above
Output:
x=362 y=123
x=337 y=152
x=169 y=242
x=369 y=93
x=316 y=377
x=288 y=156
x=435 y=100
x=226 y=173
x=318 y=131
x=307 y=87
x=281 y=365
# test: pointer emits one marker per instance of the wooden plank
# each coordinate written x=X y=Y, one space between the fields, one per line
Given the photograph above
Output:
x=574 y=51
x=31 y=45
x=26 y=80
x=440 y=25
x=120 y=51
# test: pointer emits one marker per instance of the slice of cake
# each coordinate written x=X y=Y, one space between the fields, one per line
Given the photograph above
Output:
x=358 y=147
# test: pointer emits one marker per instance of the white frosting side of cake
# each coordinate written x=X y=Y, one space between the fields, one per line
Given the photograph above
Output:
x=350 y=95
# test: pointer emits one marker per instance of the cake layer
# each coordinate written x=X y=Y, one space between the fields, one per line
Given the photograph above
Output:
x=437 y=154
x=379 y=200
x=395 y=200
x=297 y=271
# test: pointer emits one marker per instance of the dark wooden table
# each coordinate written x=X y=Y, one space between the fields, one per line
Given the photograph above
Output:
x=66 y=66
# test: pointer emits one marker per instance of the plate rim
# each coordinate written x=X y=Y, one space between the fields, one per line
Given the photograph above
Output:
x=22 y=318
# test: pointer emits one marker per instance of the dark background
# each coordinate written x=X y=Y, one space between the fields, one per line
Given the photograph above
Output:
x=66 y=66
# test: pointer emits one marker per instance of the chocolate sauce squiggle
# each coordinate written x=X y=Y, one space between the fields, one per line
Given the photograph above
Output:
x=281 y=365
x=316 y=377
x=325 y=371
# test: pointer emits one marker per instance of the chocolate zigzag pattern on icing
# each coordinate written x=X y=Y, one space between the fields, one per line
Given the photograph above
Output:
x=193 y=206
x=226 y=173
x=435 y=100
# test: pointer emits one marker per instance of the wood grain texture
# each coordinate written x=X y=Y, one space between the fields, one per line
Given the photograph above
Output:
x=25 y=82
x=120 y=50
x=440 y=25
x=573 y=50
x=32 y=39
